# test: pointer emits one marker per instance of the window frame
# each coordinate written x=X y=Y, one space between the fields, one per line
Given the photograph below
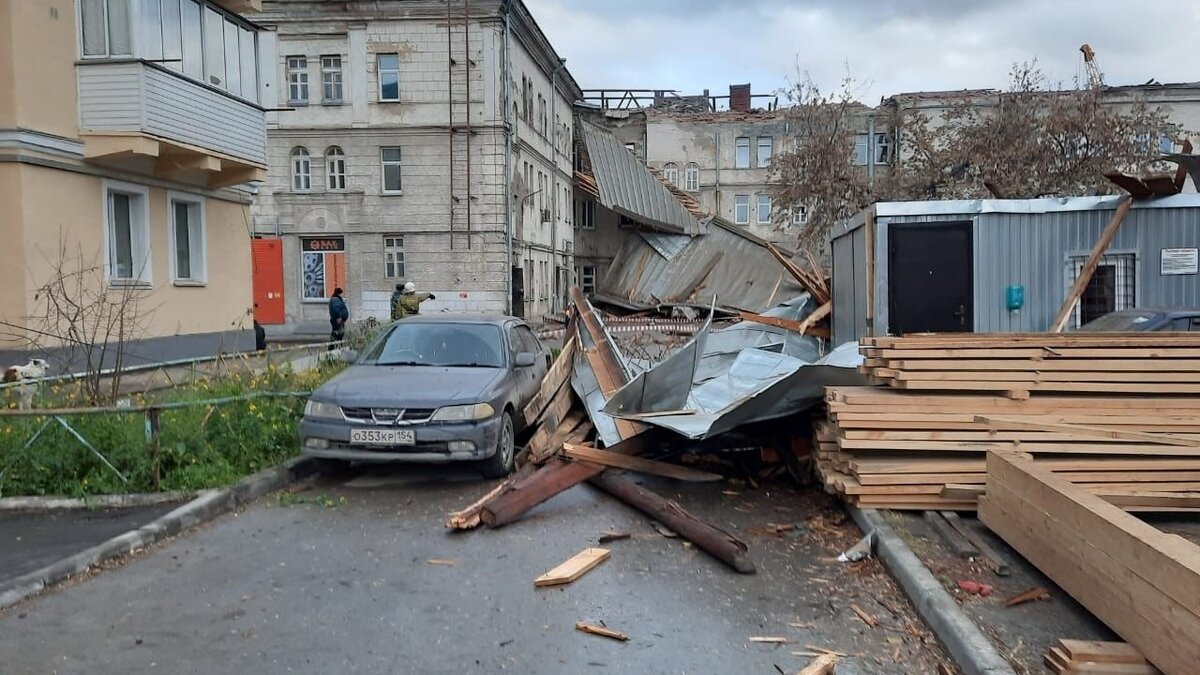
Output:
x=586 y=271
x=140 y=245
x=883 y=143
x=692 y=170
x=380 y=70
x=799 y=214
x=1125 y=264
x=758 y=209
x=326 y=73
x=740 y=201
x=586 y=219
x=335 y=157
x=197 y=240
x=758 y=148
x=384 y=163
x=742 y=143
x=671 y=173
x=862 y=149
x=297 y=78
x=393 y=268
x=300 y=153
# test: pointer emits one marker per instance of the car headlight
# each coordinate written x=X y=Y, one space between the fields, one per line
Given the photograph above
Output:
x=464 y=413
x=322 y=410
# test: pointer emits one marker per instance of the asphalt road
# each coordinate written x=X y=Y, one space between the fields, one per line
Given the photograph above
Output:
x=338 y=579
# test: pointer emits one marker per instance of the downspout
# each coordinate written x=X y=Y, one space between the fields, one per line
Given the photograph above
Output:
x=506 y=10
x=562 y=63
x=871 y=149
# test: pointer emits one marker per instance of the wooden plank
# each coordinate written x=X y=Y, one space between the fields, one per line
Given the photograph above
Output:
x=1143 y=583
x=632 y=463
x=977 y=446
x=786 y=324
x=556 y=377
x=1159 y=352
x=1098 y=387
x=609 y=633
x=544 y=444
x=994 y=558
x=1089 y=266
x=574 y=567
x=603 y=359
x=1047 y=377
x=1101 y=652
x=1081 y=430
x=1079 y=365
x=957 y=542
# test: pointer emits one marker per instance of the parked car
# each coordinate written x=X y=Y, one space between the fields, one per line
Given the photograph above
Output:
x=1145 y=320
x=437 y=388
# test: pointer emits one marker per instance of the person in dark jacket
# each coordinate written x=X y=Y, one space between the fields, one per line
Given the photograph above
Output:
x=260 y=337
x=339 y=314
x=398 y=309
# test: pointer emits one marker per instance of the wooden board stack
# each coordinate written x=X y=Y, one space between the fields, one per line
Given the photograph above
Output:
x=1081 y=657
x=1132 y=443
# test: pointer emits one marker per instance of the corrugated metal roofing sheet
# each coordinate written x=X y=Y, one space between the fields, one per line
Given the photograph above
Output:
x=628 y=187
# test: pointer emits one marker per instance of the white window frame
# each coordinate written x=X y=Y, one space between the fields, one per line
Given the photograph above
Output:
x=384 y=164
x=1126 y=275
x=883 y=149
x=758 y=209
x=862 y=151
x=691 y=177
x=671 y=173
x=769 y=144
x=132 y=30
x=800 y=214
x=297 y=79
x=332 y=76
x=300 y=171
x=587 y=214
x=197 y=240
x=139 y=214
x=587 y=279
x=380 y=70
x=393 y=256
x=741 y=209
x=742 y=143
x=335 y=168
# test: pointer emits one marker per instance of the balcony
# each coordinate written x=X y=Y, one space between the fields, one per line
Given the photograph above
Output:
x=147 y=119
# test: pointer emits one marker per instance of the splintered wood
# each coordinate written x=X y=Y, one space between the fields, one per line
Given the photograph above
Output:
x=1135 y=441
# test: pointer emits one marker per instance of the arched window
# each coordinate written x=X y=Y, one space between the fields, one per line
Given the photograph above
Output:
x=335 y=168
x=301 y=170
x=691 y=177
x=671 y=173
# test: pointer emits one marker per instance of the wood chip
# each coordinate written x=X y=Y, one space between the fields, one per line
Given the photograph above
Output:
x=601 y=631
x=442 y=561
x=574 y=567
x=608 y=536
x=862 y=615
x=1036 y=593
x=771 y=640
x=822 y=665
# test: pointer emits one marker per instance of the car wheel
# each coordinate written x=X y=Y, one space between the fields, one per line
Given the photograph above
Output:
x=500 y=464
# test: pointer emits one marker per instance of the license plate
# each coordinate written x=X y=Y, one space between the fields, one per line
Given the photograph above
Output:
x=383 y=437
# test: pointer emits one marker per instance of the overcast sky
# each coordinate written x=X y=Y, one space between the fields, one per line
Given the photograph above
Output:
x=890 y=46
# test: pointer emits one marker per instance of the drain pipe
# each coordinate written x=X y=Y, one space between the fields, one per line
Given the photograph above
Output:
x=562 y=63
x=510 y=129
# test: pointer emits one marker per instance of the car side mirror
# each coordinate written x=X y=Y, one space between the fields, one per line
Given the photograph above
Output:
x=526 y=359
x=350 y=355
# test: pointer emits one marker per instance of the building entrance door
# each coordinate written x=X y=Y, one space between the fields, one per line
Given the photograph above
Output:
x=932 y=287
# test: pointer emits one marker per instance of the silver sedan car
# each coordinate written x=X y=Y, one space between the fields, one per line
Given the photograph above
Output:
x=437 y=388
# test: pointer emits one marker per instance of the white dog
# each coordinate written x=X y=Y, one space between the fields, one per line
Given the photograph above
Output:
x=28 y=374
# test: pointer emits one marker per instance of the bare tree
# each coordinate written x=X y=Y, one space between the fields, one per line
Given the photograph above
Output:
x=85 y=318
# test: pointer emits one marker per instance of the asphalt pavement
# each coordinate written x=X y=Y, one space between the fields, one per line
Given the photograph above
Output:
x=357 y=575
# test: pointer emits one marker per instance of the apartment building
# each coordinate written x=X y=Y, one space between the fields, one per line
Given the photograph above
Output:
x=129 y=130
x=415 y=140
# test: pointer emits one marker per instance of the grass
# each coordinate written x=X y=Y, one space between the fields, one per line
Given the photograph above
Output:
x=200 y=446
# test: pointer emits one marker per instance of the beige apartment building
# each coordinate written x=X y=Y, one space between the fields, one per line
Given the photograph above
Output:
x=129 y=132
x=415 y=140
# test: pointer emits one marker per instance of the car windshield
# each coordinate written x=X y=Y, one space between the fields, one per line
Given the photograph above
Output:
x=412 y=343
x=1125 y=320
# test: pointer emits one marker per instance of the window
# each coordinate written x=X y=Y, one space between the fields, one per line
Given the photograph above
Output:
x=691 y=177
x=213 y=37
x=741 y=159
x=388 y=69
x=529 y=341
x=764 y=209
x=671 y=173
x=1166 y=143
x=187 y=239
x=764 y=151
x=741 y=209
x=542 y=119
x=883 y=148
x=393 y=257
x=301 y=171
x=248 y=41
x=390 y=157
x=335 y=168
x=323 y=267
x=331 y=79
x=632 y=148
x=799 y=214
x=585 y=217
x=297 y=75
x=587 y=279
x=128 y=236
x=1112 y=287
x=233 y=56
x=860 y=150
x=193 y=46
x=105 y=25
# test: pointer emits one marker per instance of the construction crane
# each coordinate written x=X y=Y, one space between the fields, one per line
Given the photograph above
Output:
x=1095 y=78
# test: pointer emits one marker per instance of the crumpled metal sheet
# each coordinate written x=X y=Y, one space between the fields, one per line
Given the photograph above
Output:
x=669 y=246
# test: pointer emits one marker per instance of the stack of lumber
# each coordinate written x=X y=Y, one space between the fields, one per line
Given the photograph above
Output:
x=1085 y=657
x=886 y=448
x=1142 y=582
x=1018 y=364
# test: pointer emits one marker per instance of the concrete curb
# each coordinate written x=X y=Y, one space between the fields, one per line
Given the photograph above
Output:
x=93 y=502
x=970 y=648
x=208 y=505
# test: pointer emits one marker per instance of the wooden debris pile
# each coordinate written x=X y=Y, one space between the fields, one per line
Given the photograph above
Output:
x=1135 y=442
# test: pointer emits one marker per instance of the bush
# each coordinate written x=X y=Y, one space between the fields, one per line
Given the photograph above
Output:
x=204 y=445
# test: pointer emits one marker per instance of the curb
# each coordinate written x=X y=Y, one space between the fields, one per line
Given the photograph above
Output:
x=93 y=502
x=968 y=646
x=208 y=505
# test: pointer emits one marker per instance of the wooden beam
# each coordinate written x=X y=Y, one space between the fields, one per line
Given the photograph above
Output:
x=559 y=373
x=720 y=544
x=619 y=461
x=1089 y=267
x=576 y=566
x=818 y=314
x=603 y=359
x=786 y=324
x=1082 y=430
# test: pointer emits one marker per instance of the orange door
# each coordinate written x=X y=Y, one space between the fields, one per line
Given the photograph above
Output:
x=335 y=272
x=267 y=258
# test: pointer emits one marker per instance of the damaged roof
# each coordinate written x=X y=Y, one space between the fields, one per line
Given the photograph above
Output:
x=625 y=185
